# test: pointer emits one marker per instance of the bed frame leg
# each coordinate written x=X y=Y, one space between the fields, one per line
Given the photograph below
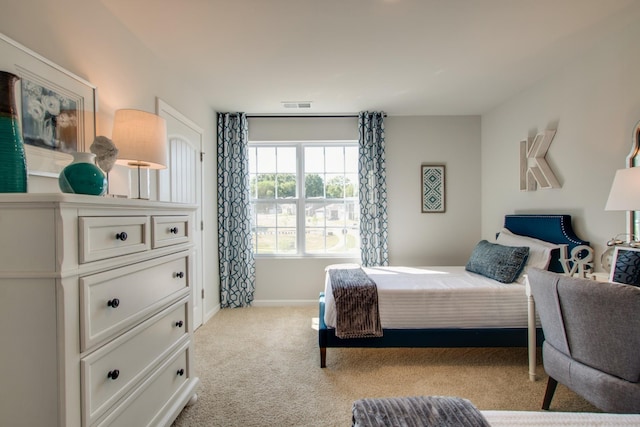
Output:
x=323 y=357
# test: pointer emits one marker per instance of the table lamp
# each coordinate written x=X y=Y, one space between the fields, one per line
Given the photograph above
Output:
x=623 y=196
x=141 y=139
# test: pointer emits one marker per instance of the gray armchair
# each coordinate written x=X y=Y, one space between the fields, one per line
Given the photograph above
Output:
x=592 y=339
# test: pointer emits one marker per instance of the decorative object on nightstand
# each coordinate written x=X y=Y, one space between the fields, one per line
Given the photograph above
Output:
x=580 y=262
x=106 y=154
x=625 y=267
x=13 y=165
x=141 y=139
x=82 y=176
x=624 y=196
x=606 y=259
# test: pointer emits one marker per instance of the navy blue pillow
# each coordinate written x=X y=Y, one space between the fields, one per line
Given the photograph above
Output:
x=498 y=262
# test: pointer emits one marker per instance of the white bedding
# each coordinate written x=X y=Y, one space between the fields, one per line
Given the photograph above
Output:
x=440 y=297
x=559 y=419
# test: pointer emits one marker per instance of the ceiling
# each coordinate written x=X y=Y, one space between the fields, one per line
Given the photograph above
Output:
x=406 y=57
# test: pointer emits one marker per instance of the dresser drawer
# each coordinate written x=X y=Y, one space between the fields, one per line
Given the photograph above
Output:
x=113 y=301
x=170 y=230
x=111 y=371
x=108 y=237
x=147 y=401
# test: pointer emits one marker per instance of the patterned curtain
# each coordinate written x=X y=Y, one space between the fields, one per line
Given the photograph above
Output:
x=373 y=190
x=237 y=265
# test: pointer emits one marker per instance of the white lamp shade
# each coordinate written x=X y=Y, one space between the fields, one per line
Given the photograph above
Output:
x=625 y=191
x=141 y=139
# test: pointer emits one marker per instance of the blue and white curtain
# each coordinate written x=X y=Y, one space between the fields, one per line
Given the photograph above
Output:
x=373 y=190
x=235 y=251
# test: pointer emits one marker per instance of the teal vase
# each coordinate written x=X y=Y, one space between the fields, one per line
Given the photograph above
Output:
x=13 y=164
x=82 y=176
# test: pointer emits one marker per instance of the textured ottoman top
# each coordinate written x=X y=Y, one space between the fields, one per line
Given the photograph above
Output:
x=422 y=411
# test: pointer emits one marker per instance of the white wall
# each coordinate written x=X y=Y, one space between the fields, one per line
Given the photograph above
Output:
x=594 y=103
x=84 y=38
x=447 y=238
x=414 y=238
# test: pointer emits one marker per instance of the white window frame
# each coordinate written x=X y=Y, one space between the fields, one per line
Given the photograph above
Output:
x=300 y=201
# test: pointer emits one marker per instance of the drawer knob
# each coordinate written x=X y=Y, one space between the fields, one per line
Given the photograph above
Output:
x=113 y=303
x=113 y=374
x=180 y=372
x=121 y=236
x=173 y=230
x=179 y=274
x=179 y=323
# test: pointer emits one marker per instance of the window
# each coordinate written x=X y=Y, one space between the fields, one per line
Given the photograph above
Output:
x=304 y=198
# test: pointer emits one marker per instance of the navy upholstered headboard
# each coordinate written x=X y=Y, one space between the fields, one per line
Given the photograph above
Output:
x=550 y=228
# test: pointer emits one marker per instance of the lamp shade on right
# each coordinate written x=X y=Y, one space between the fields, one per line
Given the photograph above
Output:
x=625 y=191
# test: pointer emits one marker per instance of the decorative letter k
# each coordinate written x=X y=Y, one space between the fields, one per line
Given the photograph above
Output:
x=534 y=169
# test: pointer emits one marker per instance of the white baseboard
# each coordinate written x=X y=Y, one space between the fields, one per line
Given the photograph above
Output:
x=284 y=302
x=211 y=313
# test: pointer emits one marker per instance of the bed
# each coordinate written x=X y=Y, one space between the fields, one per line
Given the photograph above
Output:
x=417 y=325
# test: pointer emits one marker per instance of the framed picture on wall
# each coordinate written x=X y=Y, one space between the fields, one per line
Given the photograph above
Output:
x=432 y=179
x=56 y=108
x=625 y=267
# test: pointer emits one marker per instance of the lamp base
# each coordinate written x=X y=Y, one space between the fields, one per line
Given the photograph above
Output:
x=140 y=195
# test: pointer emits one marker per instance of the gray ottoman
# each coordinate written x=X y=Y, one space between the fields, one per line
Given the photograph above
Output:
x=423 y=411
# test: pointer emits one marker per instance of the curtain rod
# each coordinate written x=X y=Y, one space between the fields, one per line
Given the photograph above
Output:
x=329 y=116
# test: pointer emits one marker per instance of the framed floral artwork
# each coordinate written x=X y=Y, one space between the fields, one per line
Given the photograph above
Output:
x=57 y=108
x=432 y=179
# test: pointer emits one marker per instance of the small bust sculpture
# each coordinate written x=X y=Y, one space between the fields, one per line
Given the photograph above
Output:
x=105 y=151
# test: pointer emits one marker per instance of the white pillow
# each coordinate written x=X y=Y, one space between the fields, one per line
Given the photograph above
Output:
x=539 y=250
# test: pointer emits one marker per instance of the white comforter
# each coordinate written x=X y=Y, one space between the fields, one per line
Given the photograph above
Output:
x=559 y=419
x=440 y=297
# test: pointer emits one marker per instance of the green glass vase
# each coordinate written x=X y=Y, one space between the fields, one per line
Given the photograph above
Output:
x=83 y=176
x=13 y=164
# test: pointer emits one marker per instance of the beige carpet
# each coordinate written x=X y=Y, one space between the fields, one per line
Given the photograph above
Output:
x=261 y=367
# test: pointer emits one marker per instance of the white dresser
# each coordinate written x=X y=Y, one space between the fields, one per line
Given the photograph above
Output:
x=95 y=303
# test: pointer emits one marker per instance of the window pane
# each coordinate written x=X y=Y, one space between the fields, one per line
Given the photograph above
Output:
x=266 y=160
x=335 y=159
x=314 y=159
x=341 y=240
x=314 y=240
x=286 y=160
x=330 y=206
x=265 y=240
x=351 y=185
x=314 y=215
x=287 y=240
x=313 y=185
x=286 y=215
x=266 y=186
x=286 y=185
x=351 y=159
x=253 y=186
x=265 y=215
x=252 y=159
x=335 y=186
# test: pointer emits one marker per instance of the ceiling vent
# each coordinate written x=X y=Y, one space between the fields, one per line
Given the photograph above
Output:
x=296 y=104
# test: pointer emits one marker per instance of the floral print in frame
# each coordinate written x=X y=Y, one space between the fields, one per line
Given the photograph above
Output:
x=49 y=118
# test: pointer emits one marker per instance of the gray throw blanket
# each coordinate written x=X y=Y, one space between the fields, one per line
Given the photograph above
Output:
x=356 y=297
x=428 y=411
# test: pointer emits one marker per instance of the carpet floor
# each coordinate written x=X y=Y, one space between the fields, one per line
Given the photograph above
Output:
x=261 y=367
